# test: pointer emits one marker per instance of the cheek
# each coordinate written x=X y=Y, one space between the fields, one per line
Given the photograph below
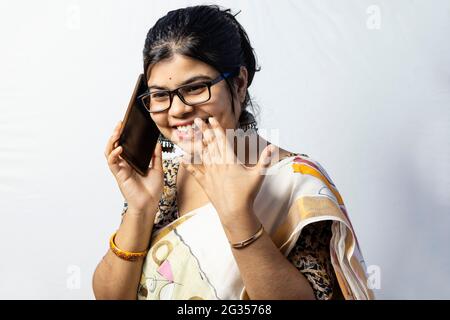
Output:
x=222 y=113
x=221 y=108
x=162 y=124
x=160 y=120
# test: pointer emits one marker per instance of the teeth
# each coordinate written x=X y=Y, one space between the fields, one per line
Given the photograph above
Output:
x=193 y=126
x=186 y=128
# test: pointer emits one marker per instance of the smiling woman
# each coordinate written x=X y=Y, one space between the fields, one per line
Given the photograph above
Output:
x=221 y=221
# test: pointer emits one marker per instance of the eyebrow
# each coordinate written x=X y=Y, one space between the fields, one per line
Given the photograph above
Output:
x=190 y=80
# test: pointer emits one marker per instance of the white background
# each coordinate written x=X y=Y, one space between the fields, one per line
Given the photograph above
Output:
x=360 y=86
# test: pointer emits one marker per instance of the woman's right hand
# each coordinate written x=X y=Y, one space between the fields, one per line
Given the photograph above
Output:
x=142 y=193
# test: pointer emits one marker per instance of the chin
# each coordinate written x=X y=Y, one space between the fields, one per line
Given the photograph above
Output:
x=186 y=146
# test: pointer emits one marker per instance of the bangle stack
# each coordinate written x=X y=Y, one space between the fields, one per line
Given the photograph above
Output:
x=250 y=240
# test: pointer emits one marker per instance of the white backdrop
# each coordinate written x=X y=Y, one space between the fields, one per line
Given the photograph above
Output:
x=361 y=86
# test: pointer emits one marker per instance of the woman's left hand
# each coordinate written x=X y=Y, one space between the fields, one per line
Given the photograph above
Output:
x=230 y=185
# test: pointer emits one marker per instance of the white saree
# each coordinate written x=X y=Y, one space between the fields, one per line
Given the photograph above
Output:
x=190 y=257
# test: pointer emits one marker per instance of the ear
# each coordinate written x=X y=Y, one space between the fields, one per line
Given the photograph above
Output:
x=241 y=82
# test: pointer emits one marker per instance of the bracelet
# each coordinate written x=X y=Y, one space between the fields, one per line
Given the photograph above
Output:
x=250 y=240
x=125 y=255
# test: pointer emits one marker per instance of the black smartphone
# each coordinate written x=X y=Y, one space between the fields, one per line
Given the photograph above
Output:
x=139 y=133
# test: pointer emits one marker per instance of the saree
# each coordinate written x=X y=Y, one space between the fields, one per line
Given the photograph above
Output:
x=190 y=258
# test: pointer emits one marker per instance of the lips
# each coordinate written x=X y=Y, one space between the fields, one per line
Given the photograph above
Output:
x=183 y=133
x=188 y=123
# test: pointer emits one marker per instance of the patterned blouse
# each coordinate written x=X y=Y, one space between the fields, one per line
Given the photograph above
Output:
x=310 y=255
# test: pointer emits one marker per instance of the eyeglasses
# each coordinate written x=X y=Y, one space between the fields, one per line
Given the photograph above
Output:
x=191 y=94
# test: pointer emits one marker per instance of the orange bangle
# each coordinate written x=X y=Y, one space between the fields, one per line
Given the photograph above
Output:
x=125 y=255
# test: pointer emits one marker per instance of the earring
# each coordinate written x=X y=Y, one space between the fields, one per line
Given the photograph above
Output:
x=167 y=145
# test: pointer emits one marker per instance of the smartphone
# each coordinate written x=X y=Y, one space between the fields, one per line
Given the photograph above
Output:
x=139 y=133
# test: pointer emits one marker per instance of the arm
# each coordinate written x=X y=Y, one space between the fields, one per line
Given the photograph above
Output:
x=266 y=273
x=311 y=256
x=115 y=278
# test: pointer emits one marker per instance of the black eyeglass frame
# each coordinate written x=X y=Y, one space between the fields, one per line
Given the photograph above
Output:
x=174 y=92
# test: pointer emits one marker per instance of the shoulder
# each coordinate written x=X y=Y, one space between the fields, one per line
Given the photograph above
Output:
x=301 y=164
x=303 y=175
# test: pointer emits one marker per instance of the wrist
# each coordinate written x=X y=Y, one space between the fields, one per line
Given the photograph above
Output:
x=241 y=226
x=135 y=231
x=149 y=212
x=231 y=216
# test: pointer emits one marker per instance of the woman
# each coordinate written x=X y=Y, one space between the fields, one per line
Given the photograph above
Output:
x=220 y=223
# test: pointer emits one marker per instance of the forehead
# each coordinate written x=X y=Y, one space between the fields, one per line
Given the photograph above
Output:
x=174 y=70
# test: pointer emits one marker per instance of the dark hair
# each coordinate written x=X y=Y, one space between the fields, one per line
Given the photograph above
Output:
x=206 y=33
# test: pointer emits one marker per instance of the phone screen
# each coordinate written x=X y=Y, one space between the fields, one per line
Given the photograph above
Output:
x=139 y=133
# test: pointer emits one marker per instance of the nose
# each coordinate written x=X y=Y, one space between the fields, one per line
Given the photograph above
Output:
x=178 y=107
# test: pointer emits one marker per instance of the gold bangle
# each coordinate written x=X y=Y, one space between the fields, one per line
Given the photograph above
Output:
x=250 y=240
x=125 y=255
